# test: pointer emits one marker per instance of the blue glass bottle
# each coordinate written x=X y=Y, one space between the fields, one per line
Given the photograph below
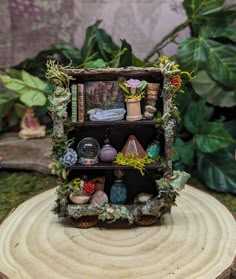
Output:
x=118 y=193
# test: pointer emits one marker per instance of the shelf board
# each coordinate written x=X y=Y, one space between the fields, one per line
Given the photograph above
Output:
x=106 y=72
x=110 y=166
x=117 y=122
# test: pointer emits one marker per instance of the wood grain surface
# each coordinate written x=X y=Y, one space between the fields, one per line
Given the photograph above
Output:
x=197 y=240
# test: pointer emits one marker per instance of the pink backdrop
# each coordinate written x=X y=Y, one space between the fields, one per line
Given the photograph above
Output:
x=28 y=26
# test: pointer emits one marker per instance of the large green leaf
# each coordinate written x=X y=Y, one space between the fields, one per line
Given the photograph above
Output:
x=32 y=90
x=196 y=116
x=99 y=42
x=213 y=92
x=230 y=126
x=33 y=98
x=98 y=63
x=212 y=31
x=90 y=41
x=137 y=62
x=226 y=17
x=126 y=57
x=7 y=116
x=7 y=100
x=63 y=53
x=191 y=54
x=213 y=137
x=184 y=151
x=13 y=73
x=221 y=62
x=105 y=44
x=194 y=8
x=217 y=171
x=68 y=54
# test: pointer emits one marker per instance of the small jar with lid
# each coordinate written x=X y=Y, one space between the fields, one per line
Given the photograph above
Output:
x=108 y=152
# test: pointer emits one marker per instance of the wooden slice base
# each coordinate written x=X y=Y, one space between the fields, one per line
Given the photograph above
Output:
x=197 y=241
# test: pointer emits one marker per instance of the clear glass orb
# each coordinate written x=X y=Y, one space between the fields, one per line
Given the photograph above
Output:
x=88 y=150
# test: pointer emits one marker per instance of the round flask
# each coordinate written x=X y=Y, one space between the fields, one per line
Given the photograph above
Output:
x=107 y=153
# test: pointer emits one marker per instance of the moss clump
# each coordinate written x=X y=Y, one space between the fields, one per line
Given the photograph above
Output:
x=17 y=187
x=132 y=161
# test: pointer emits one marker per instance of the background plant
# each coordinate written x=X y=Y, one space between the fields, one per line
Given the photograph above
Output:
x=21 y=90
x=205 y=144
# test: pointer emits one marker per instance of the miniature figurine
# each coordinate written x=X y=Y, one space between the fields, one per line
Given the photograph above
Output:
x=30 y=127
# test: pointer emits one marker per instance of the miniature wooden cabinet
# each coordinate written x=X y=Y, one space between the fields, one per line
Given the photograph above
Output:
x=156 y=184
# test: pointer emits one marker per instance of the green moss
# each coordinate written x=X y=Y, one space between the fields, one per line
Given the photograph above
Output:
x=133 y=161
x=17 y=187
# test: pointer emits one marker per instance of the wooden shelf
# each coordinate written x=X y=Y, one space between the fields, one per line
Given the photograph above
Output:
x=110 y=166
x=118 y=122
x=106 y=72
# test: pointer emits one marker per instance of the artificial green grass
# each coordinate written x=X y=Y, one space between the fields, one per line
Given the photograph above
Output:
x=16 y=187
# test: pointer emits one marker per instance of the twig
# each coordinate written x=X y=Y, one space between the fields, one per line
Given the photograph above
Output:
x=169 y=37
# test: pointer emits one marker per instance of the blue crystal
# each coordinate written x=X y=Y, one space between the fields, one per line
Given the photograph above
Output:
x=153 y=150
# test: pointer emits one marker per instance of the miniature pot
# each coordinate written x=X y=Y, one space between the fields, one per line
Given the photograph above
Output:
x=107 y=153
x=79 y=199
x=133 y=109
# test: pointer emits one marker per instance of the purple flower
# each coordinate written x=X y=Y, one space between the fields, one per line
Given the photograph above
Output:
x=133 y=83
x=69 y=158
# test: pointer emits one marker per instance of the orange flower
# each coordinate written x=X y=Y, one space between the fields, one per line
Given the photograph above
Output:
x=176 y=82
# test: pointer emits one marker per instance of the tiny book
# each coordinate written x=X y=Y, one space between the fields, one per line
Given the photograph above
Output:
x=74 y=102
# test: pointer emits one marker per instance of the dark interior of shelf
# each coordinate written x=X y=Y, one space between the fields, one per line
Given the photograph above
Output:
x=118 y=135
x=135 y=182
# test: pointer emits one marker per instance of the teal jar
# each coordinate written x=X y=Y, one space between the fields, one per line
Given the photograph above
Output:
x=118 y=193
x=153 y=149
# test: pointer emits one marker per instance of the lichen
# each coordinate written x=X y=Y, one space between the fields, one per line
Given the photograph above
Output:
x=113 y=213
x=56 y=75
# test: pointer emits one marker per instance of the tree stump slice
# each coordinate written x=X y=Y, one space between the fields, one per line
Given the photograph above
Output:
x=197 y=240
x=33 y=154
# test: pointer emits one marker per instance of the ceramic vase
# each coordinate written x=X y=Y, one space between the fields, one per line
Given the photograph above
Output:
x=78 y=199
x=133 y=109
x=118 y=193
x=107 y=153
